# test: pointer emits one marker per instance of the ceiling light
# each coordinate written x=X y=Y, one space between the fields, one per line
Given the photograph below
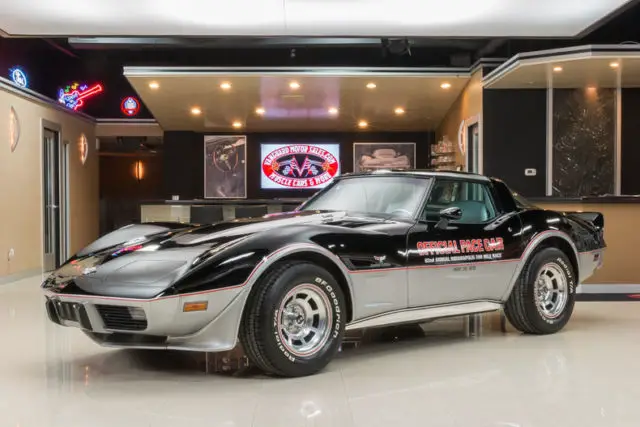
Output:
x=260 y=111
x=236 y=124
x=614 y=65
x=333 y=111
x=371 y=85
x=196 y=111
x=225 y=85
x=557 y=69
x=294 y=85
x=363 y=124
x=445 y=85
x=154 y=85
x=399 y=111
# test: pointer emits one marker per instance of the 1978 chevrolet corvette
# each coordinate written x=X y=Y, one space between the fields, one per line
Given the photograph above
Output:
x=369 y=250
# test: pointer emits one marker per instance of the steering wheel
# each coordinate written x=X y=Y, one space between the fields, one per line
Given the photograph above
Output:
x=404 y=211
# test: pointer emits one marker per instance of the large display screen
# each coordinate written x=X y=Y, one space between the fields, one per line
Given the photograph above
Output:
x=298 y=166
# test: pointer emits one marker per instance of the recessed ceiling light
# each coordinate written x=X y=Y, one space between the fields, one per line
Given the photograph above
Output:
x=445 y=85
x=614 y=65
x=294 y=85
x=371 y=85
x=557 y=69
x=236 y=124
x=363 y=124
x=260 y=111
x=591 y=88
x=225 y=85
x=399 y=111
x=333 y=111
x=154 y=85
x=196 y=111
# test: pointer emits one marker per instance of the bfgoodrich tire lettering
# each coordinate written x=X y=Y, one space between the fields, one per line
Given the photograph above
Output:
x=544 y=295
x=294 y=321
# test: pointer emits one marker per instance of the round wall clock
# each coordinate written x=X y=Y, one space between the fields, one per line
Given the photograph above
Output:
x=14 y=129
x=84 y=148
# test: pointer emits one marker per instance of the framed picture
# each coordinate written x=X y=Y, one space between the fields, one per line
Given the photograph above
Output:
x=369 y=156
x=225 y=166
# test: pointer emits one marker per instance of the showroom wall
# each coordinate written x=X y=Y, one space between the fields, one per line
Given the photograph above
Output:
x=183 y=168
x=514 y=130
x=630 y=143
x=126 y=180
x=21 y=180
x=467 y=107
x=584 y=126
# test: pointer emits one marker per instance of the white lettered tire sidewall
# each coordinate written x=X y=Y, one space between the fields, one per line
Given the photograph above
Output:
x=321 y=281
x=557 y=257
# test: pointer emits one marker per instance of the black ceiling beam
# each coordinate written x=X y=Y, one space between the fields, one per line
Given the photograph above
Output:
x=95 y=43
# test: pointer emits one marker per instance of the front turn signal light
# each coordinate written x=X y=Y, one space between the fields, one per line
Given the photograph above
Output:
x=195 y=306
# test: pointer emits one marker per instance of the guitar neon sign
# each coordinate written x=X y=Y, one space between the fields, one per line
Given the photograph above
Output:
x=73 y=96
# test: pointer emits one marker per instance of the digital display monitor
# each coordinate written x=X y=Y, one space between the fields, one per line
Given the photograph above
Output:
x=298 y=166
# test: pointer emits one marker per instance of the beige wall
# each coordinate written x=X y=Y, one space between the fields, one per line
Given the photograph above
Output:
x=467 y=107
x=21 y=182
x=620 y=230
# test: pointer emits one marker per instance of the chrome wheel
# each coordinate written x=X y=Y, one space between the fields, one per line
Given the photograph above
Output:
x=551 y=290
x=304 y=320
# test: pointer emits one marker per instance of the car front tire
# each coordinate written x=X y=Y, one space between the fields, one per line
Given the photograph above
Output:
x=294 y=320
x=542 y=299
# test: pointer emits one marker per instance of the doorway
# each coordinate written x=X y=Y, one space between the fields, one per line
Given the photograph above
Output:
x=473 y=146
x=54 y=197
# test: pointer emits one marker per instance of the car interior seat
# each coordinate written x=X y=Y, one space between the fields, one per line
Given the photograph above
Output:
x=472 y=211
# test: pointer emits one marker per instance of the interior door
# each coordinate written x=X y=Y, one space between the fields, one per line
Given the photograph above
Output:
x=473 y=142
x=51 y=199
x=469 y=259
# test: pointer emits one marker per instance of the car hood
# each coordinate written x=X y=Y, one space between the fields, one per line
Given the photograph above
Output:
x=229 y=230
x=144 y=264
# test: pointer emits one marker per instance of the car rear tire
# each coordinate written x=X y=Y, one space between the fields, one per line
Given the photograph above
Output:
x=294 y=321
x=543 y=297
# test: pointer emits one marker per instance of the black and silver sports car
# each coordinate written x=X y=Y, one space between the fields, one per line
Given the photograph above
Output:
x=369 y=250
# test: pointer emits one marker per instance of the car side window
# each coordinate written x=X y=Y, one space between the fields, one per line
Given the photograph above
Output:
x=473 y=198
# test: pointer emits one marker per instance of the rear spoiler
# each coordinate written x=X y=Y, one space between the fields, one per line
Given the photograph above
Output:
x=594 y=218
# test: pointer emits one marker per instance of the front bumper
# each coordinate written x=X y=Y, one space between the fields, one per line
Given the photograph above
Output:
x=158 y=323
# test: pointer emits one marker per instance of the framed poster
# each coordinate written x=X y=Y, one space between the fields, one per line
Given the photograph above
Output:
x=225 y=167
x=369 y=156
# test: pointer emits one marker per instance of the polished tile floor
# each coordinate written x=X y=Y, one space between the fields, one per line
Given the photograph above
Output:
x=436 y=375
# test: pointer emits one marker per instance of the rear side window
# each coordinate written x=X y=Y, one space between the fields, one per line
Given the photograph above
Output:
x=473 y=198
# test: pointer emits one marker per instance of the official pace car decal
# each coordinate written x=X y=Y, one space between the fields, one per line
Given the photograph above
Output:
x=463 y=250
x=300 y=166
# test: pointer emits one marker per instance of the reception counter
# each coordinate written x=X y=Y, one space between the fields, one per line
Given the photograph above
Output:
x=621 y=231
x=211 y=210
x=621 y=215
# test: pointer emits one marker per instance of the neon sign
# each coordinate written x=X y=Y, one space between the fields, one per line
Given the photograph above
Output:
x=18 y=76
x=73 y=96
x=130 y=106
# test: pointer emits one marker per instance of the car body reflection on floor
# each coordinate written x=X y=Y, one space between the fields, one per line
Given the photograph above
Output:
x=433 y=374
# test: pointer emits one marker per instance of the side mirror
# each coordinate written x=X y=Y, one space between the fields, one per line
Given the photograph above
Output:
x=448 y=214
x=453 y=213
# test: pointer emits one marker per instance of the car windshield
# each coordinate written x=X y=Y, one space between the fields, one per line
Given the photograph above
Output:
x=389 y=196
